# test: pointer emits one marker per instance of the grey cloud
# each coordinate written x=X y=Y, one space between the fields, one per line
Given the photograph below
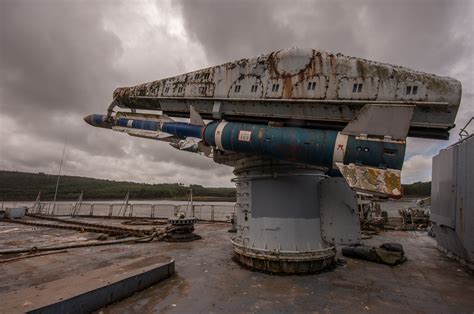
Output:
x=61 y=60
x=417 y=33
x=56 y=56
x=230 y=30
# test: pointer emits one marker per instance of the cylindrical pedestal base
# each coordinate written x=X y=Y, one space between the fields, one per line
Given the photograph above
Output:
x=285 y=262
x=278 y=218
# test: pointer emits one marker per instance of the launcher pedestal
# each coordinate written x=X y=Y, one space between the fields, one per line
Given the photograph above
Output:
x=278 y=217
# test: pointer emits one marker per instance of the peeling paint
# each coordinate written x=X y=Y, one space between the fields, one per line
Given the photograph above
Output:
x=372 y=180
x=288 y=75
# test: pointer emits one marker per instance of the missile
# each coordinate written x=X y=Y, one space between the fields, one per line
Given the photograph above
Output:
x=337 y=153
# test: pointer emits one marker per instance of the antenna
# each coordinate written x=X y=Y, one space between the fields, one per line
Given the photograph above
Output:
x=59 y=175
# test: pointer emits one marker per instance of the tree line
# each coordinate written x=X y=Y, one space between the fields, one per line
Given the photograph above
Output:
x=24 y=186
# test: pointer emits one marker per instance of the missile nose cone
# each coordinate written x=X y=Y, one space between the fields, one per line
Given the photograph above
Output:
x=98 y=120
x=89 y=119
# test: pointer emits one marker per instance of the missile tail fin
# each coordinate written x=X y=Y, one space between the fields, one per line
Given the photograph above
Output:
x=377 y=120
x=372 y=180
x=195 y=117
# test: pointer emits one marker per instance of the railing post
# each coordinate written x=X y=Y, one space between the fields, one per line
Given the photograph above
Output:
x=152 y=213
x=91 y=212
x=130 y=214
x=111 y=208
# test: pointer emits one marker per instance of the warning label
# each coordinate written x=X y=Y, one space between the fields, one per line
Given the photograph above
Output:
x=244 y=136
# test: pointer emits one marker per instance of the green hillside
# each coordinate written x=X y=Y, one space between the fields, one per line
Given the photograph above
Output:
x=23 y=186
x=417 y=189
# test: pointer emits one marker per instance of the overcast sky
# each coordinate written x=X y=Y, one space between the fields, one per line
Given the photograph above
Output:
x=61 y=60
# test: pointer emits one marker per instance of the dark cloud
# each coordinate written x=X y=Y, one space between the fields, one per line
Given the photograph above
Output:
x=235 y=29
x=60 y=60
x=417 y=33
x=57 y=57
x=57 y=64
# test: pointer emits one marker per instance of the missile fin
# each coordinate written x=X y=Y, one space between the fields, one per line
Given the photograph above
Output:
x=379 y=121
x=375 y=181
x=195 y=117
x=155 y=135
x=194 y=145
x=144 y=116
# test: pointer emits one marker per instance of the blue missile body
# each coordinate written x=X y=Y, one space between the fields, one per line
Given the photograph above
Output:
x=182 y=130
x=308 y=146
x=314 y=147
x=138 y=124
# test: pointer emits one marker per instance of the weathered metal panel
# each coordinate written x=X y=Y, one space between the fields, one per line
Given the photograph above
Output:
x=372 y=180
x=298 y=201
x=460 y=187
x=411 y=90
x=469 y=199
x=464 y=194
x=278 y=206
x=358 y=88
x=311 y=87
x=339 y=216
x=285 y=214
x=452 y=200
x=342 y=86
x=443 y=197
x=378 y=121
x=448 y=239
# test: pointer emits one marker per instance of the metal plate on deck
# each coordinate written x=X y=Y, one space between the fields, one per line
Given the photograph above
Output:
x=90 y=291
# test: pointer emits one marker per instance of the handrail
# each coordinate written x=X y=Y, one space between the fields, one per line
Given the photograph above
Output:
x=463 y=132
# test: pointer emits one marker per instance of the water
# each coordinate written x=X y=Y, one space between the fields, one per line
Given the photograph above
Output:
x=172 y=202
x=215 y=211
x=392 y=207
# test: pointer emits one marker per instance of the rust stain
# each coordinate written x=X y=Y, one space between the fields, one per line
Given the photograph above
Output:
x=287 y=87
x=293 y=69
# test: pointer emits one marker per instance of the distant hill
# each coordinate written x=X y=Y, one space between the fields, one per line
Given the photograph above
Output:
x=417 y=189
x=24 y=186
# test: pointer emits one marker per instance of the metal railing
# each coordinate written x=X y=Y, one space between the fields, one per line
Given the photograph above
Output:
x=207 y=212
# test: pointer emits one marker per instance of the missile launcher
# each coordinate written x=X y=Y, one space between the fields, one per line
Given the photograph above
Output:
x=299 y=125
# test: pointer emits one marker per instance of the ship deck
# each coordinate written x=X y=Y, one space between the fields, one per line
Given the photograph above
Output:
x=208 y=280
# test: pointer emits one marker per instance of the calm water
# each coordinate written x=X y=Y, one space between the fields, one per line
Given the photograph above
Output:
x=118 y=202
x=169 y=207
